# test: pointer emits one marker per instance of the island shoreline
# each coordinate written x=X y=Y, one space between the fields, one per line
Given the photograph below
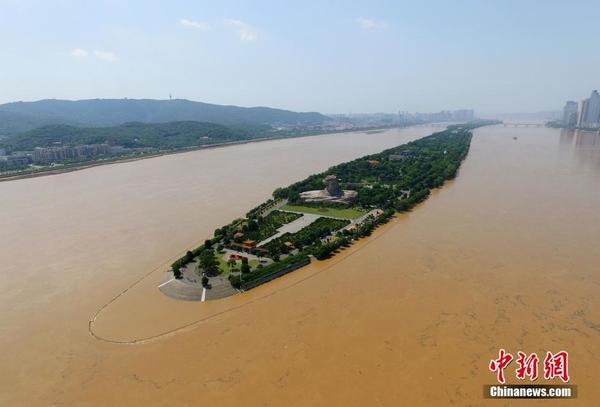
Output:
x=377 y=229
x=247 y=300
x=438 y=156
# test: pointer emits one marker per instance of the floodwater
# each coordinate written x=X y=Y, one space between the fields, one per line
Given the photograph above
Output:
x=505 y=256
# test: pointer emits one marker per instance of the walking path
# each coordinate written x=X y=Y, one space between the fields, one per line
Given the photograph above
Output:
x=292 y=227
x=188 y=287
x=220 y=288
x=181 y=290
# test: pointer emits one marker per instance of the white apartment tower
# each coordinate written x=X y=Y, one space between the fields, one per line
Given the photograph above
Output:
x=570 y=114
x=593 y=110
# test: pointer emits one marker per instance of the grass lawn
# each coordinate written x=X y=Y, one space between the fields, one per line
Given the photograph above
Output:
x=345 y=213
x=225 y=267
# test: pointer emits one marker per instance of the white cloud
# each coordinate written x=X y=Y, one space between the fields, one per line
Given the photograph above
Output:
x=79 y=52
x=371 y=23
x=105 y=56
x=194 y=24
x=246 y=31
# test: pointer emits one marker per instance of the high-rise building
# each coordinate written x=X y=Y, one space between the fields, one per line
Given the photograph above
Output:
x=570 y=114
x=593 y=110
x=463 y=115
x=581 y=120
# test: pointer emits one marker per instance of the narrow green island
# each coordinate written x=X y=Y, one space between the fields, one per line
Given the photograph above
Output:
x=317 y=217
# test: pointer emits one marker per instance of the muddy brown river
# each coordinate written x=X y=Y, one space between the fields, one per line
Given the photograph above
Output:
x=506 y=256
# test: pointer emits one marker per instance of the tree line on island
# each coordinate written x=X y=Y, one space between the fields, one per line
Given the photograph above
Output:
x=394 y=180
x=397 y=178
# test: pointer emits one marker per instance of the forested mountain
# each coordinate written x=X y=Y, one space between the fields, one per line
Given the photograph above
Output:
x=15 y=122
x=154 y=135
x=22 y=116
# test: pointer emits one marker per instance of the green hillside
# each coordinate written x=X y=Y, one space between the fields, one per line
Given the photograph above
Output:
x=158 y=135
x=24 y=116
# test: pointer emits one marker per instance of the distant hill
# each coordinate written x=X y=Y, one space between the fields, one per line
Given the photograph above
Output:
x=14 y=122
x=22 y=116
x=154 y=135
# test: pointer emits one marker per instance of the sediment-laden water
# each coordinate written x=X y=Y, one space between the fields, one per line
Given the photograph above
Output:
x=504 y=256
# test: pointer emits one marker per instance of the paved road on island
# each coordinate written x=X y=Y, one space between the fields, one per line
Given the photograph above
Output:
x=293 y=226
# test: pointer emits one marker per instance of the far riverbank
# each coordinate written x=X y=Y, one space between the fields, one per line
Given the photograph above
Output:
x=117 y=160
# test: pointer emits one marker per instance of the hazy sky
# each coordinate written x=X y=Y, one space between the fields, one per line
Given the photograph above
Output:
x=329 y=56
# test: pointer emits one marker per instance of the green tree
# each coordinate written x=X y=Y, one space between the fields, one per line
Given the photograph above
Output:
x=245 y=266
x=189 y=256
x=208 y=262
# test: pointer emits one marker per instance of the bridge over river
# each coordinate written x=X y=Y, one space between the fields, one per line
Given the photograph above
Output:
x=521 y=124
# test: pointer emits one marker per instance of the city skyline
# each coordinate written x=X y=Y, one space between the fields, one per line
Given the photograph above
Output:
x=585 y=114
x=364 y=57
